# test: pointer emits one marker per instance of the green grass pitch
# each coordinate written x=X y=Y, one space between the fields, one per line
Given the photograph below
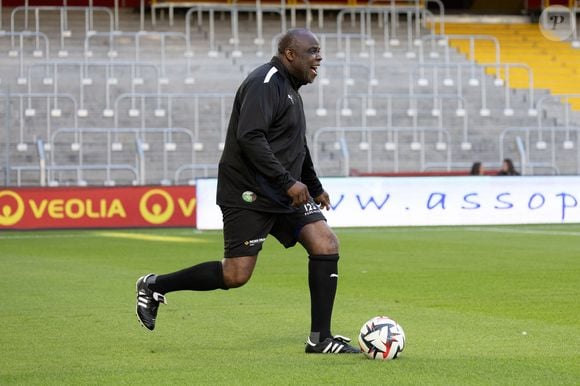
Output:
x=479 y=305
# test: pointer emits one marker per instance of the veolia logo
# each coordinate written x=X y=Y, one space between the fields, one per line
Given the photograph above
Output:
x=11 y=208
x=154 y=213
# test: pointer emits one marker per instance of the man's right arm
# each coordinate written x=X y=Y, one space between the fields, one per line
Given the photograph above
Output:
x=257 y=112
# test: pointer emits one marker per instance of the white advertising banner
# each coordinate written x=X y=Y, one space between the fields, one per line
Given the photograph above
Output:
x=401 y=201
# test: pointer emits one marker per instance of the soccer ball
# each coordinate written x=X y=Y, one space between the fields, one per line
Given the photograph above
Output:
x=381 y=338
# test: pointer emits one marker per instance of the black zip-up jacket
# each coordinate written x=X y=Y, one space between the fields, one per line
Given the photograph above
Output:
x=265 y=151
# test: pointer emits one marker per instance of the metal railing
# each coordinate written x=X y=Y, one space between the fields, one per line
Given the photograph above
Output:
x=443 y=40
x=393 y=145
x=455 y=80
x=369 y=108
x=525 y=146
x=65 y=32
x=26 y=110
x=417 y=18
x=83 y=67
x=140 y=151
x=233 y=10
x=165 y=103
x=207 y=170
x=138 y=38
x=37 y=51
x=561 y=99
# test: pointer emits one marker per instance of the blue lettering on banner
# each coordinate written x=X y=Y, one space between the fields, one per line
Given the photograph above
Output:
x=372 y=199
x=441 y=200
x=333 y=207
x=540 y=204
x=565 y=204
x=470 y=201
x=499 y=197
x=476 y=205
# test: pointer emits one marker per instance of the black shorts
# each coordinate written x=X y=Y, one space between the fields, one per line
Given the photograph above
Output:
x=246 y=230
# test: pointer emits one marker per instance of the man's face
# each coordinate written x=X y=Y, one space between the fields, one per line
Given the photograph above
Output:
x=305 y=58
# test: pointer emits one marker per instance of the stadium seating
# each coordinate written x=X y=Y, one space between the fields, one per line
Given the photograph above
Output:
x=135 y=102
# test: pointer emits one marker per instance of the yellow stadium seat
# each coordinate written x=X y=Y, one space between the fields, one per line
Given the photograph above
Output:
x=555 y=65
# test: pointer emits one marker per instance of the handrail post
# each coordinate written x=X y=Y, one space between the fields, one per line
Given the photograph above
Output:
x=7 y=120
x=141 y=161
x=345 y=156
x=522 y=151
x=42 y=161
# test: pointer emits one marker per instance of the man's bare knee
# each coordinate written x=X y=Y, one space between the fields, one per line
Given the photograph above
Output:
x=333 y=243
x=319 y=239
x=328 y=245
x=238 y=270
x=235 y=280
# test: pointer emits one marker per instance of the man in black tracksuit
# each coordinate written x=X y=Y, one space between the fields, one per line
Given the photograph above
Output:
x=267 y=185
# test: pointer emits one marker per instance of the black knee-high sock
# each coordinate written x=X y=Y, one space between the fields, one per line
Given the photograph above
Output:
x=322 y=280
x=202 y=277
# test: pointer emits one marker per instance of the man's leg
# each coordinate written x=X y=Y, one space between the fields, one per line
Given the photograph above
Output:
x=322 y=246
x=229 y=273
x=244 y=233
x=211 y=275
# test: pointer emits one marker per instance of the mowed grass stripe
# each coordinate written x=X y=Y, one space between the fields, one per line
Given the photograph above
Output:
x=477 y=307
x=149 y=237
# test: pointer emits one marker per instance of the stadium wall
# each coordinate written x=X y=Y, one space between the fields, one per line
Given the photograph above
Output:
x=356 y=202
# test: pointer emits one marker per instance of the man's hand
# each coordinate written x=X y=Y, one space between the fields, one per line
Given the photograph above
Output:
x=323 y=200
x=299 y=194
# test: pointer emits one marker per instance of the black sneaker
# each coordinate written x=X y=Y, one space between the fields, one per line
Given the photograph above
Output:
x=147 y=303
x=335 y=345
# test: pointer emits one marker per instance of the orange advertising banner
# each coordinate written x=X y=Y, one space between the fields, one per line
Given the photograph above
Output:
x=111 y=207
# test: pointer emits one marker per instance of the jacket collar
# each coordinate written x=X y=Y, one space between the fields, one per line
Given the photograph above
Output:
x=282 y=68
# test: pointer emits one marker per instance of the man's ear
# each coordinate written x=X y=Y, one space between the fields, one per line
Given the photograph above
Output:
x=289 y=54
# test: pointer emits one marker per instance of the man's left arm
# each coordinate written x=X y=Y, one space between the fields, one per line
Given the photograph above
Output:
x=310 y=179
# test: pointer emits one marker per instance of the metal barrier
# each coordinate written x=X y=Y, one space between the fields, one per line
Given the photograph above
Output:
x=392 y=6
x=561 y=99
x=37 y=52
x=25 y=109
x=138 y=37
x=208 y=170
x=233 y=10
x=392 y=145
x=456 y=81
x=169 y=101
x=369 y=109
x=64 y=30
x=50 y=78
x=525 y=145
x=443 y=40
x=142 y=146
x=7 y=138
x=258 y=8
x=388 y=20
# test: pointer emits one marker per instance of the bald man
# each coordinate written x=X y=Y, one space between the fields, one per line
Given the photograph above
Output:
x=267 y=186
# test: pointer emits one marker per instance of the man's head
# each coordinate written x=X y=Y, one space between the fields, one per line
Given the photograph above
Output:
x=299 y=50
